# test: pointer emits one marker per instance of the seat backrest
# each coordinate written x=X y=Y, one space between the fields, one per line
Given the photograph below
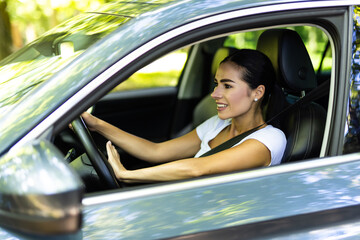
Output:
x=304 y=125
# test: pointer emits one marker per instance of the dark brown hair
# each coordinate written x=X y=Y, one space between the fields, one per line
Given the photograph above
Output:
x=255 y=69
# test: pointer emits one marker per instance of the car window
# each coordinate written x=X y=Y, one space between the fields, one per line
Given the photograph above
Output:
x=129 y=110
x=163 y=72
x=325 y=64
x=315 y=41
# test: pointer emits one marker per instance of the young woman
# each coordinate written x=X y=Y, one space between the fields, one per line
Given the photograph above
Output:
x=243 y=81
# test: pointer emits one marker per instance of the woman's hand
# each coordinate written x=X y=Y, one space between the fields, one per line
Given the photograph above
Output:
x=90 y=120
x=114 y=160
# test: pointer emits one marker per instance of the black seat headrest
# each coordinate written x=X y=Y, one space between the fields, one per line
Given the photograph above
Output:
x=288 y=54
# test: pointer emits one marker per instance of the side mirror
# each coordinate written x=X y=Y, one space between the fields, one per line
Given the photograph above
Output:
x=39 y=193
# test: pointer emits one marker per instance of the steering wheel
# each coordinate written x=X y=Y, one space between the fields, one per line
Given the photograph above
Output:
x=98 y=160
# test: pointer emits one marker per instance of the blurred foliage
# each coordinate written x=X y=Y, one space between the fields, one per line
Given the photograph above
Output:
x=5 y=32
x=22 y=21
x=164 y=72
x=150 y=80
x=26 y=69
x=352 y=137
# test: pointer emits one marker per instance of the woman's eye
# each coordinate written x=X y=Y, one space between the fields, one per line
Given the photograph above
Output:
x=227 y=86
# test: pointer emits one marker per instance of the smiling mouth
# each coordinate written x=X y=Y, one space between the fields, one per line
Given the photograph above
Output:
x=221 y=106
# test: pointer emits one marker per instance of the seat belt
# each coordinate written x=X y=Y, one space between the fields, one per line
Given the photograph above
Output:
x=314 y=94
x=231 y=142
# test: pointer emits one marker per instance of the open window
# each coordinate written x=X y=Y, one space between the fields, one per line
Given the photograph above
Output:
x=161 y=100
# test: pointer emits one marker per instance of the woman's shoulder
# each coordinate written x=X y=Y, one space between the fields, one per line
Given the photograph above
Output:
x=274 y=139
x=272 y=129
x=274 y=134
x=269 y=132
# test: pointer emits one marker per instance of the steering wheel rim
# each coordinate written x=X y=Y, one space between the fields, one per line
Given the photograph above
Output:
x=97 y=159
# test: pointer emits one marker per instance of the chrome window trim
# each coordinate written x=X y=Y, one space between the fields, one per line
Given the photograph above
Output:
x=216 y=180
x=89 y=88
x=330 y=101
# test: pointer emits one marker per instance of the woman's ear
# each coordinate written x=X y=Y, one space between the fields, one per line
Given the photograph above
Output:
x=259 y=91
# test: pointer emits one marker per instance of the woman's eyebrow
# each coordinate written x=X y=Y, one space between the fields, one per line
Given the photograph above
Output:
x=225 y=80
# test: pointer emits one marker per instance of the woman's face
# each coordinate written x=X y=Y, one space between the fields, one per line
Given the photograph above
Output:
x=233 y=96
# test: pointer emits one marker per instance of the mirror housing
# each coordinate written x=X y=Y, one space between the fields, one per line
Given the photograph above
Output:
x=39 y=193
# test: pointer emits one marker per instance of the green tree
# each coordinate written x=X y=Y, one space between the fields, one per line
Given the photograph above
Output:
x=5 y=31
x=22 y=21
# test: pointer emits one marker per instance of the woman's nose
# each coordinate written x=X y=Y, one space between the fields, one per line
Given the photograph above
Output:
x=216 y=94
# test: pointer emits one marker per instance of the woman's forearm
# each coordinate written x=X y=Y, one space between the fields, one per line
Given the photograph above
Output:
x=250 y=154
x=136 y=146
x=179 y=148
x=177 y=170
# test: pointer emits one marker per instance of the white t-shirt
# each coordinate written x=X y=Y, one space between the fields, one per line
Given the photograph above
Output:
x=273 y=138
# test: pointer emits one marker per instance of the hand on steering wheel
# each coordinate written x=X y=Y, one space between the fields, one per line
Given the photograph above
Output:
x=98 y=160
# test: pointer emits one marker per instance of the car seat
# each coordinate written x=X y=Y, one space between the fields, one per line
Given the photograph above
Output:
x=303 y=125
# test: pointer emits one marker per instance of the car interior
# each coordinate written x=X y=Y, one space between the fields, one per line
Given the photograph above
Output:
x=161 y=113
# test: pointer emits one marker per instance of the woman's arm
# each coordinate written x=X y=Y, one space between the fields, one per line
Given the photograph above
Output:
x=182 y=147
x=249 y=154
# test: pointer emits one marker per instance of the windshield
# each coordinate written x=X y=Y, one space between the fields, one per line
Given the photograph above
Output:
x=43 y=75
x=37 y=62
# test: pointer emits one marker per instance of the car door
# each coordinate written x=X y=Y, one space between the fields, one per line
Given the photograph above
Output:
x=302 y=200
x=239 y=205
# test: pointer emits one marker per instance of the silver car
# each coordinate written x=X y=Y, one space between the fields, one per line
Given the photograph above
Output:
x=147 y=67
